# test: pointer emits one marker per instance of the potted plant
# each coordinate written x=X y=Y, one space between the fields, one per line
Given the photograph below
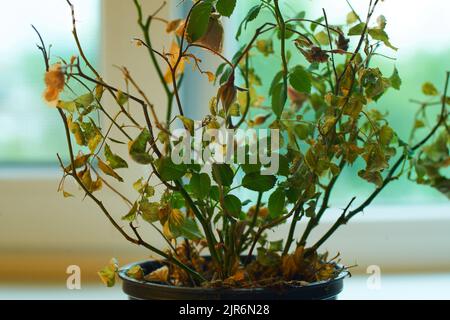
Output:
x=320 y=116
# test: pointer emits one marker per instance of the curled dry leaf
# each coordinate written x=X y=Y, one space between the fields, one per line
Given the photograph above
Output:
x=342 y=42
x=54 y=81
x=238 y=278
x=159 y=275
x=297 y=98
x=315 y=54
x=213 y=38
x=136 y=272
x=228 y=93
x=108 y=273
x=211 y=76
x=262 y=213
x=174 y=25
x=173 y=58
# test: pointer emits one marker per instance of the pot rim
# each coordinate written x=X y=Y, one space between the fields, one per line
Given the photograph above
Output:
x=123 y=275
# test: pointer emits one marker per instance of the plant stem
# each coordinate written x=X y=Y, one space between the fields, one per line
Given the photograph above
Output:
x=145 y=27
x=253 y=222
x=331 y=49
x=314 y=221
x=206 y=226
x=247 y=84
x=297 y=217
x=282 y=26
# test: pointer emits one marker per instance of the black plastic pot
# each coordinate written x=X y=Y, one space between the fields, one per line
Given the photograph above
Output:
x=141 y=290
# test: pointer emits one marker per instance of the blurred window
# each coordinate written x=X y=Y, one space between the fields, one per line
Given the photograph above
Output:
x=31 y=132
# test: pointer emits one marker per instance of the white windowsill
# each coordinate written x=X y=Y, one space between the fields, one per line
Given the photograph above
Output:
x=393 y=287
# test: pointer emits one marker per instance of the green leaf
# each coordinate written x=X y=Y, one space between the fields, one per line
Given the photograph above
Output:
x=199 y=21
x=249 y=168
x=396 y=82
x=106 y=169
x=223 y=174
x=190 y=230
x=275 y=246
x=108 y=273
x=322 y=37
x=300 y=80
x=314 y=26
x=232 y=205
x=200 y=185
x=258 y=182
x=114 y=161
x=137 y=148
x=170 y=171
x=429 y=89
x=283 y=166
x=355 y=105
x=214 y=193
x=372 y=177
x=92 y=135
x=277 y=202
x=381 y=35
x=149 y=211
x=188 y=124
x=144 y=188
x=302 y=130
x=136 y=272
x=251 y=15
x=67 y=105
x=278 y=99
x=176 y=200
x=226 y=7
x=131 y=215
x=276 y=80
x=85 y=100
x=352 y=17
x=121 y=98
x=374 y=82
x=357 y=30
x=386 y=135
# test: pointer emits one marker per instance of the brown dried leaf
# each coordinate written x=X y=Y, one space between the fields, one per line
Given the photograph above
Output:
x=159 y=275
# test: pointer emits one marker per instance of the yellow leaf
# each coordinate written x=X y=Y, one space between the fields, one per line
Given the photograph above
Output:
x=159 y=275
x=173 y=58
x=136 y=272
x=429 y=89
x=67 y=195
x=211 y=76
x=108 y=273
x=79 y=162
x=173 y=25
x=108 y=170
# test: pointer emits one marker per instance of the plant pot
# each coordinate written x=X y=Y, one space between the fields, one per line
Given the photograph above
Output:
x=141 y=290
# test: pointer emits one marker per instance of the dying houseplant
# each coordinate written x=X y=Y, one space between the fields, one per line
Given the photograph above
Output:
x=323 y=118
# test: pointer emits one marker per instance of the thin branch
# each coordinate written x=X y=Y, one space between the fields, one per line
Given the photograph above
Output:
x=282 y=26
x=314 y=221
x=331 y=46
x=43 y=49
x=221 y=56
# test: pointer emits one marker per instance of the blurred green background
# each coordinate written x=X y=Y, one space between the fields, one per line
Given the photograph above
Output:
x=30 y=130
